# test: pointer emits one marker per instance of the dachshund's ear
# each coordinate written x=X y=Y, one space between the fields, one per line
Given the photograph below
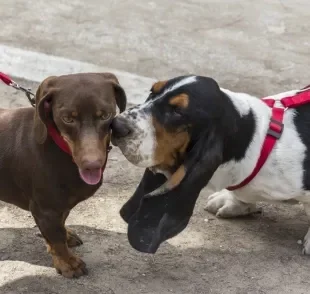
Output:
x=162 y=217
x=43 y=108
x=120 y=95
x=148 y=183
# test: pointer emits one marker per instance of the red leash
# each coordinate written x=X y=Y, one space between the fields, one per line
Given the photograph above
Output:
x=8 y=81
x=275 y=130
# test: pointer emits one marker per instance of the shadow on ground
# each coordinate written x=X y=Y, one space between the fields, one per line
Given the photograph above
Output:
x=262 y=257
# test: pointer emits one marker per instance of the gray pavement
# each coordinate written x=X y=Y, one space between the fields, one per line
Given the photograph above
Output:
x=259 y=46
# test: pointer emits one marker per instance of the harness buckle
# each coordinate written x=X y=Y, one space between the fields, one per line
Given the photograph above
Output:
x=275 y=128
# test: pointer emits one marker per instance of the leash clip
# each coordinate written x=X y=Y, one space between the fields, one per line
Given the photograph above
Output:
x=27 y=92
x=7 y=80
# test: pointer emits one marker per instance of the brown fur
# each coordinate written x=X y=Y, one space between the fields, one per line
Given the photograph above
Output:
x=181 y=100
x=158 y=86
x=37 y=175
x=177 y=177
x=170 y=147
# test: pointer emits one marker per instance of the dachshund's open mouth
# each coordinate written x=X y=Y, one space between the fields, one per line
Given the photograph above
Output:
x=91 y=176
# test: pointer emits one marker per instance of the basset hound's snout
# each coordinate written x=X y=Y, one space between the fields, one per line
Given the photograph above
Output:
x=120 y=128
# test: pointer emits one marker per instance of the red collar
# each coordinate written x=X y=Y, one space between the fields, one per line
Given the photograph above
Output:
x=275 y=128
x=63 y=145
x=58 y=139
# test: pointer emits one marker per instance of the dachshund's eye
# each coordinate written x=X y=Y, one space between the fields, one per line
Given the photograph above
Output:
x=68 y=120
x=105 y=116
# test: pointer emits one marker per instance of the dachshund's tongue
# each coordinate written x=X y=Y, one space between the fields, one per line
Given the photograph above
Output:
x=91 y=176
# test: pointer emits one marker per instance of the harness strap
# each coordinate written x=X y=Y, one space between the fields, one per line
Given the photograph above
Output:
x=301 y=98
x=275 y=128
x=274 y=132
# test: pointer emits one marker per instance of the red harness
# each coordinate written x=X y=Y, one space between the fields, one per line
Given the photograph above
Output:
x=275 y=128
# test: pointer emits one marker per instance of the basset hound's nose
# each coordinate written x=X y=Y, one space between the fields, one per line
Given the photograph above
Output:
x=120 y=127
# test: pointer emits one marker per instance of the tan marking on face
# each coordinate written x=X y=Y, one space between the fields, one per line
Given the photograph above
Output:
x=90 y=147
x=170 y=146
x=177 y=177
x=74 y=114
x=181 y=100
x=99 y=113
x=158 y=86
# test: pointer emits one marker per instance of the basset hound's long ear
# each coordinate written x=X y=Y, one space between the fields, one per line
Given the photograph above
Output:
x=120 y=95
x=43 y=107
x=162 y=217
x=166 y=211
x=148 y=183
x=220 y=116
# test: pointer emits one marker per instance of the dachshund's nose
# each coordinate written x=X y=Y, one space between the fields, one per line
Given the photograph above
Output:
x=92 y=165
x=120 y=127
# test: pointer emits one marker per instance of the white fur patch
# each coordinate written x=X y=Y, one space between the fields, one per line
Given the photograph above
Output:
x=280 y=178
x=179 y=84
x=139 y=146
x=147 y=143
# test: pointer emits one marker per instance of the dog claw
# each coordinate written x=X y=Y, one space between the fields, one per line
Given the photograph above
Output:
x=74 y=269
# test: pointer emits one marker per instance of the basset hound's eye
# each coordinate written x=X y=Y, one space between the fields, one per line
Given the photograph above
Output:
x=173 y=112
x=177 y=111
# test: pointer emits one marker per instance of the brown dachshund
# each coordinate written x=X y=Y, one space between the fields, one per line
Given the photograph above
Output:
x=52 y=157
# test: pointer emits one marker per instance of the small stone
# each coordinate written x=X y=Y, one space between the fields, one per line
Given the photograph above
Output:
x=299 y=242
x=143 y=275
x=206 y=220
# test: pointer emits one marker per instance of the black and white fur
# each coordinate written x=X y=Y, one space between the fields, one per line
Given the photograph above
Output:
x=284 y=177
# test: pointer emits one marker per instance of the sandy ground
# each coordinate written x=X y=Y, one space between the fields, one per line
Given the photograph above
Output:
x=258 y=47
